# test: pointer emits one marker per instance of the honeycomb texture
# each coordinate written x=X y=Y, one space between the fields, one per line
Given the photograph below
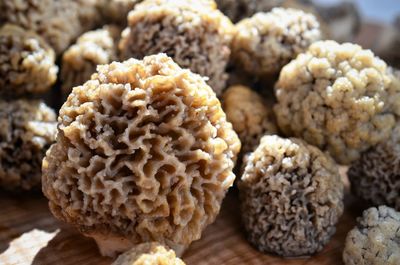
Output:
x=375 y=177
x=93 y=48
x=144 y=153
x=116 y=11
x=266 y=42
x=375 y=240
x=148 y=254
x=291 y=197
x=338 y=97
x=26 y=63
x=59 y=22
x=250 y=116
x=194 y=33
x=27 y=129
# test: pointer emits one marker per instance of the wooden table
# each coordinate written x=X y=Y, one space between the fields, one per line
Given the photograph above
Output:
x=30 y=235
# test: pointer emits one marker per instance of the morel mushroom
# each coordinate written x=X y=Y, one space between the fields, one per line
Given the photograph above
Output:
x=375 y=176
x=144 y=153
x=291 y=197
x=194 y=33
x=27 y=129
x=93 y=48
x=250 y=116
x=149 y=254
x=26 y=63
x=375 y=240
x=338 y=97
x=59 y=22
x=266 y=42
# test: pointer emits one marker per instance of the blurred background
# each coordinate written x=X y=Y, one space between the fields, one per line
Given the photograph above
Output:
x=372 y=11
x=375 y=24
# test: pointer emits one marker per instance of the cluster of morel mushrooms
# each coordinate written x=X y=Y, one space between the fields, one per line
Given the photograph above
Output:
x=167 y=102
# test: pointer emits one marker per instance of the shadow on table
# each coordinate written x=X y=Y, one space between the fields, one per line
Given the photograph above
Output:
x=70 y=248
x=21 y=213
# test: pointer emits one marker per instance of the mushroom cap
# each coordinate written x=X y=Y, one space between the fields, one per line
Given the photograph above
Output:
x=26 y=63
x=27 y=129
x=375 y=239
x=92 y=48
x=250 y=116
x=194 y=33
x=338 y=97
x=149 y=253
x=59 y=22
x=144 y=153
x=291 y=197
x=266 y=42
x=375 y=177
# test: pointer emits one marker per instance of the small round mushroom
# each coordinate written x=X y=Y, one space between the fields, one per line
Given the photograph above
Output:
x=144 y=153
x=250 y=116
x=27 y=129
x=194 y=33
x=338 y=97
x=375 y=176
x=93 y=48
x=59 y=22
x=375 y=240
x=291 y=197
x=266 y=42
x=149 y=254
x=26 y=63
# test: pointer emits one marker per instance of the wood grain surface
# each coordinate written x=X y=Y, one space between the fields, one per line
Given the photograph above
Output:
x=30 y=235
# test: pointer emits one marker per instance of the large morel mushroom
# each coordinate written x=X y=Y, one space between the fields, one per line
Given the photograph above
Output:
x=144 y=153
x=291 y=197
x=339 y=98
